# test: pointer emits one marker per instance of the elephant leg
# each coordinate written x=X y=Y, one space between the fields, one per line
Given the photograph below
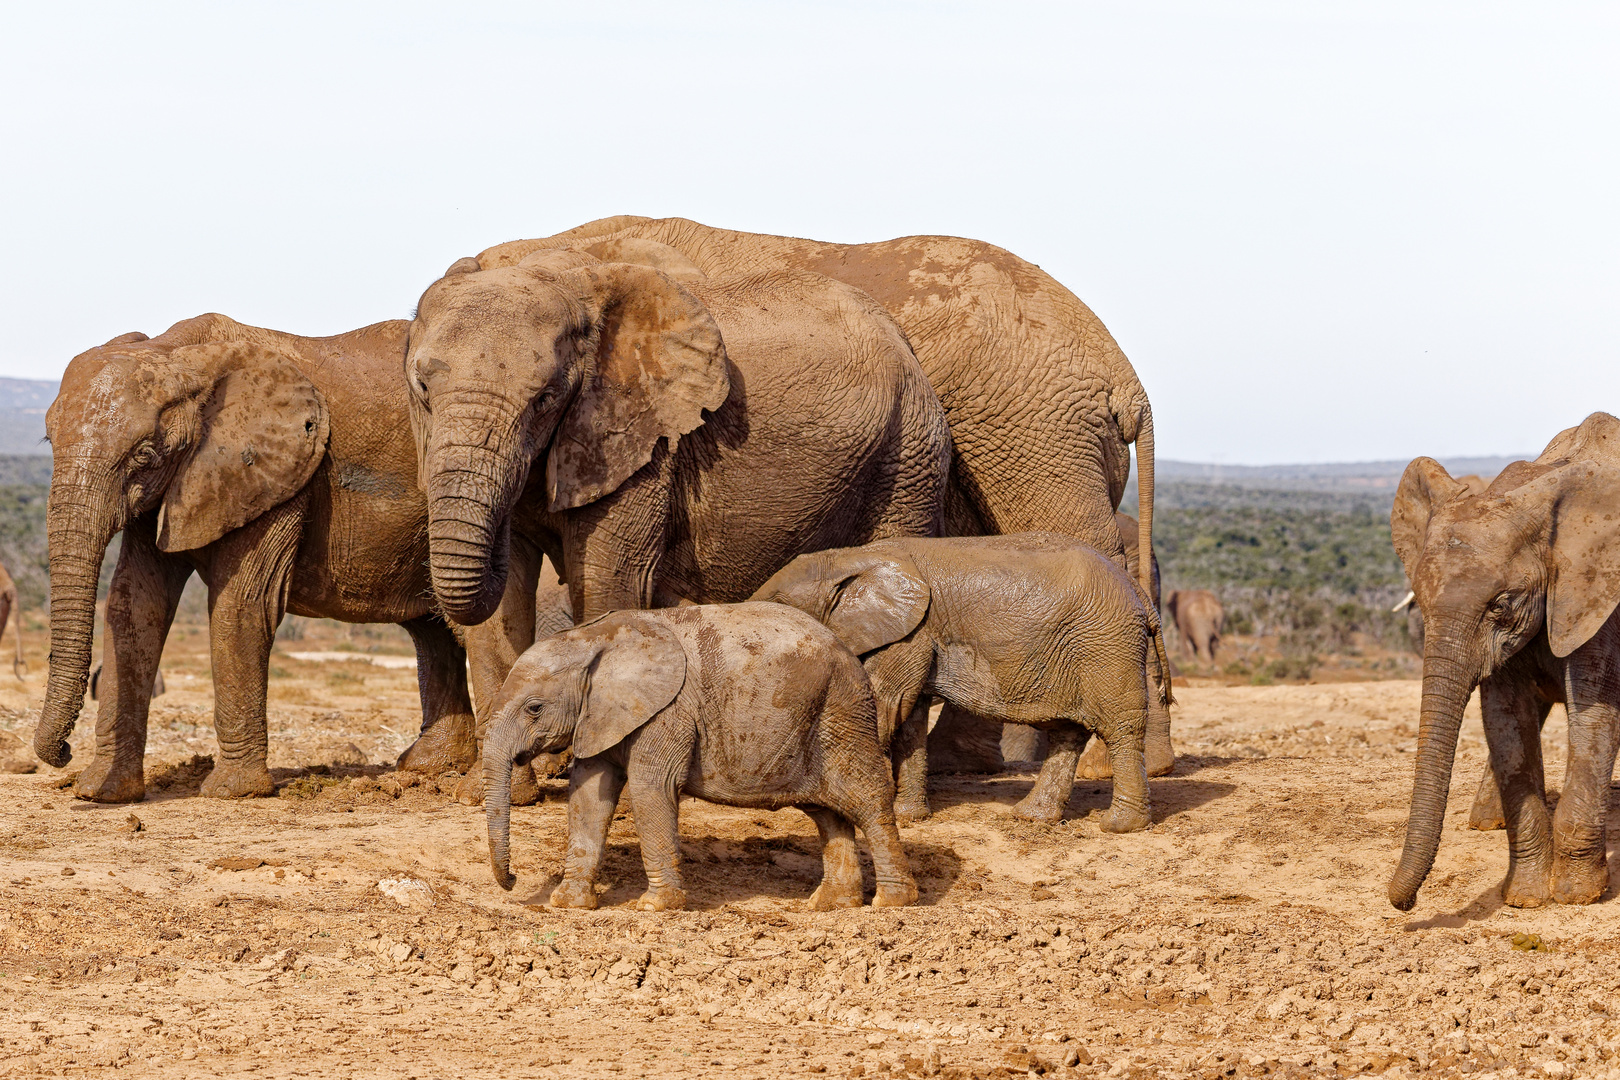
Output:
x=910 y=753
x=1020 y=742
x=1159 y=751
x=1580 y=869
x=594 y=787
x=1513 y=734
x=141 y=602
x=658 y=762
x=840 y=863
x=962 y=742
x=249 y=575
x=1486 y=813
x=448 y=740
x=1050 y=795
x=493 y=646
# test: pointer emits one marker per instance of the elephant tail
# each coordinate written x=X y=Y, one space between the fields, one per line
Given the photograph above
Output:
x=1144 y=502
x=1165 y=694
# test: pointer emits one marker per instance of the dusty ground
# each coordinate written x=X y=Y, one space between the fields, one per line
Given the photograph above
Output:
x=1245 y=933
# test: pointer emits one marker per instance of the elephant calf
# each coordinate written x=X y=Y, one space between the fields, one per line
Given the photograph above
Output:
x=741 y=704
x=1030 y=628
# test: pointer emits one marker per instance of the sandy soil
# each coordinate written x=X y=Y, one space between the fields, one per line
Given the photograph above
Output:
x=1246 y=933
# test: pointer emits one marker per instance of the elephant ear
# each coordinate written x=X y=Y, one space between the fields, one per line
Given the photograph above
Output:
x=659 y=363
x=639 y=669
x=262 y=431
x=877 y=601
x=1425 y=486
x=1585 y=517
x=634 y=249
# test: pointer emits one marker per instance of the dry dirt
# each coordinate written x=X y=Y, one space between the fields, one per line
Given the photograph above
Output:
x=1246 y=933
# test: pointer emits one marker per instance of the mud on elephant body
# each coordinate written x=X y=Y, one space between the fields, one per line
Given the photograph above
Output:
x=1518 y=586
x=1031 y=628
x=278 y=468
x=750 y=705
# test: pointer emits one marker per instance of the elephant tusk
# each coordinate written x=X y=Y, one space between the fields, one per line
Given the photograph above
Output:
x=1405 y=603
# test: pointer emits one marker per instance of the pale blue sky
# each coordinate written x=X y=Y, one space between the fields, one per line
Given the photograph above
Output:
x=1321 y=231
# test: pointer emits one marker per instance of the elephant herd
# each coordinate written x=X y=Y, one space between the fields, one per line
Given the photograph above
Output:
x=791 y=491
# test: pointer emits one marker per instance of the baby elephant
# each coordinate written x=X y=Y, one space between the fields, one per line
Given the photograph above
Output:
x=742 y=704
x=1029 y=628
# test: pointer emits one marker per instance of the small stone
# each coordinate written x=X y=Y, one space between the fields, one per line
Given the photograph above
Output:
x=132 y=825
x=68 y=871
x=236 y=862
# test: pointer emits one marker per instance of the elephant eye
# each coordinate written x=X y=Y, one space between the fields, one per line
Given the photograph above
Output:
x=533 y=708
x=143 y=456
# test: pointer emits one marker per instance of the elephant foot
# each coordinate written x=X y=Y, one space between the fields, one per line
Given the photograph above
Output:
x=1095 y=765
x=665 y=899
x=238 y=781
x=911 y=809
x=525 y=789
x=901 y=895
x=1160 y=755
x=830 y=897
x=102 y=782
x=1122 y=819
x=1579 y=882
x=447 y=746
x=1486 y=813
x=1526 y=887
x=1037 y=806
x=573 y=893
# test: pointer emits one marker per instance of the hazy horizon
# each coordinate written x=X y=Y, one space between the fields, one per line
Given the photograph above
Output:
x=1322 y=232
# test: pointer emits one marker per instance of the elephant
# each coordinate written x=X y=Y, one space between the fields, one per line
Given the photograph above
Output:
x=1027 y=628
x=279 y=468
x=158 y=687
x=673 y=464
x=1199 y=619
x=8 y=604
x=1042 y=403
x=1518 y=587
x=750 y=705
x=961 y=742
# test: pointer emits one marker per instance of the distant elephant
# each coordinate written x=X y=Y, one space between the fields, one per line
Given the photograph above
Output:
x=1199 y=620
x=281 y=469
x=1029 y=628
x=1518 y=587
x=8 y=604
x=1042 y=404
x=742 y=704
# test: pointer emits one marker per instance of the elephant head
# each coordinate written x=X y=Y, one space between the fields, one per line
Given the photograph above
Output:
x=585 y=363
x=1534 y=551
x=584 y=690
x=869 y=598
x=210 y=434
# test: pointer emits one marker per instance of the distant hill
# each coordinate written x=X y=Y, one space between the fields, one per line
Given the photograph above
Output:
x=1334 y=476
x=22 y=415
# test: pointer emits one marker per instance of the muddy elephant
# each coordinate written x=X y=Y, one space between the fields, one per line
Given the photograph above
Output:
x=280 y=469
x=961 y=742
x=1199 y=620
x=1028 y=628
x=1042 y=403
x=1518 y=586
x=8 y=604
x=751 y=705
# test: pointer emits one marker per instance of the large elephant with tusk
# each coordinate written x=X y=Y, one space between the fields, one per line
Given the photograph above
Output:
x=1519 y=585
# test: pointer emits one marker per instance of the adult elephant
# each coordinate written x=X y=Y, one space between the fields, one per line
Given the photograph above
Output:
x=1199 y=620
x=1042 y=403
x=8 y=604
x=593 y=410
x=280 y=469
x=1518 y=587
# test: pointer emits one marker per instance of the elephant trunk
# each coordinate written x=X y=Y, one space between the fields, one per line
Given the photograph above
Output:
x=81 y=518
x=470 y=497
x=500 y=747
x=1144 y=501
x=1448 y=680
